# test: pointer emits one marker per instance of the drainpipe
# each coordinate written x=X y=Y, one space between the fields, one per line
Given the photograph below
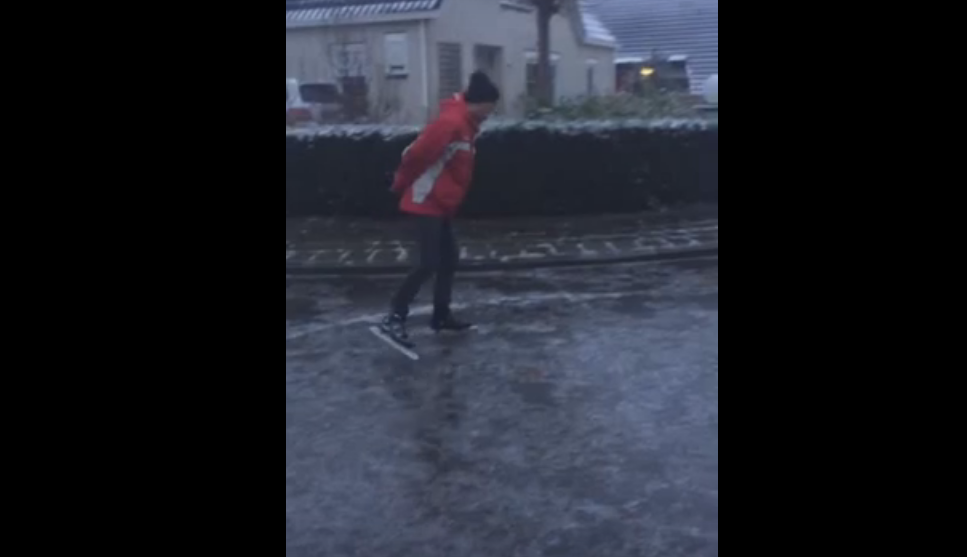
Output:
x=425 y=55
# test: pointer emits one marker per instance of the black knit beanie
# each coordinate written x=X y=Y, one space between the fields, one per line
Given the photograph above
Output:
x=481 y=90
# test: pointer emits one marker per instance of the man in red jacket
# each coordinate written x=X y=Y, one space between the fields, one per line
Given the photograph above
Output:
x=433 y=179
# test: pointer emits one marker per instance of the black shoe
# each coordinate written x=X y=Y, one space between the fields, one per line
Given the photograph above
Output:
x=394 y=327
x=449 y=324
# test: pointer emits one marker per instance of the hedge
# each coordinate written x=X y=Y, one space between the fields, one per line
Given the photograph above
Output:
x=531 y=168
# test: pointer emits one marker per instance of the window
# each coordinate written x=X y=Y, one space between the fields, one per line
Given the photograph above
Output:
x=397 y=54
x=451 y=69
x=348 y=60
x=674 y=75
x=319 y=93
x=668 y=74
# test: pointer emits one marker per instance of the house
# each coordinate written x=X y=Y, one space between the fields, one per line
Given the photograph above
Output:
x=682 y=35
x=399 y=58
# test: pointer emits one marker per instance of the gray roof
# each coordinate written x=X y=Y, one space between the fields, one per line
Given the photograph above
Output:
x=320 y=12
x=310 y=12
x=595 y=31
x=669 y=27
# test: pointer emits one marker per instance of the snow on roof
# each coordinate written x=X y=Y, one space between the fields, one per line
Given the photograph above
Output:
x=310 y=12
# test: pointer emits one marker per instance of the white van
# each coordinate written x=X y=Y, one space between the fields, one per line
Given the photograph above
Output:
x=306 y=103
x=296 y=110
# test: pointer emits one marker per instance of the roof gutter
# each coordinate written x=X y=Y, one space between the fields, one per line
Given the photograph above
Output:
x=600 y=44
x=649 y=58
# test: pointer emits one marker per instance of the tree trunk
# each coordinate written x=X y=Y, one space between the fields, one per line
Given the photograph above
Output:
x=545 y=82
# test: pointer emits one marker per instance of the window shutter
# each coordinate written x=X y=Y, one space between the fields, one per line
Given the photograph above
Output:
x=451 y=69
x=397 y=54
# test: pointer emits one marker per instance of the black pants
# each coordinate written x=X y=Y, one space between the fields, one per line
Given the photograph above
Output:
x=439 y=255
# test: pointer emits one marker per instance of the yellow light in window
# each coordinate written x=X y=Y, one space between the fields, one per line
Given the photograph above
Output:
x=647 y=72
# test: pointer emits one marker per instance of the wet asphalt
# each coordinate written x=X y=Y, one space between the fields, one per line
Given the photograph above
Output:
x=580 y=420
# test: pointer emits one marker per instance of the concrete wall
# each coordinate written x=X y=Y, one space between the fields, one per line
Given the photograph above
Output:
x=307 y=58
x=605 y=70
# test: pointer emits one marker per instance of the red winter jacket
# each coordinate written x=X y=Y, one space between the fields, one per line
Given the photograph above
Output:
x=435 y=174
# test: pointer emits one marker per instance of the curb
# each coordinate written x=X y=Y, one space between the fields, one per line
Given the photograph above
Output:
x=710 y=250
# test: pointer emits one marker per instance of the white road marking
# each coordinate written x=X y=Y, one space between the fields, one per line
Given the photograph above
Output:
x=405 y=351
x=531 y=299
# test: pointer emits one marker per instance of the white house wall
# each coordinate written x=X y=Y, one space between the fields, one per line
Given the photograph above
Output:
x=307 y=59
x=486 y=22
x=469 y=23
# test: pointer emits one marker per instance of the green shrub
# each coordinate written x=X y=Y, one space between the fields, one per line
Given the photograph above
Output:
x=525 y=168
x=655 y=105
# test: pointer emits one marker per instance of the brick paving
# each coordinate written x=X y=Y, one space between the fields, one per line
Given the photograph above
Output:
x=357 y=246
